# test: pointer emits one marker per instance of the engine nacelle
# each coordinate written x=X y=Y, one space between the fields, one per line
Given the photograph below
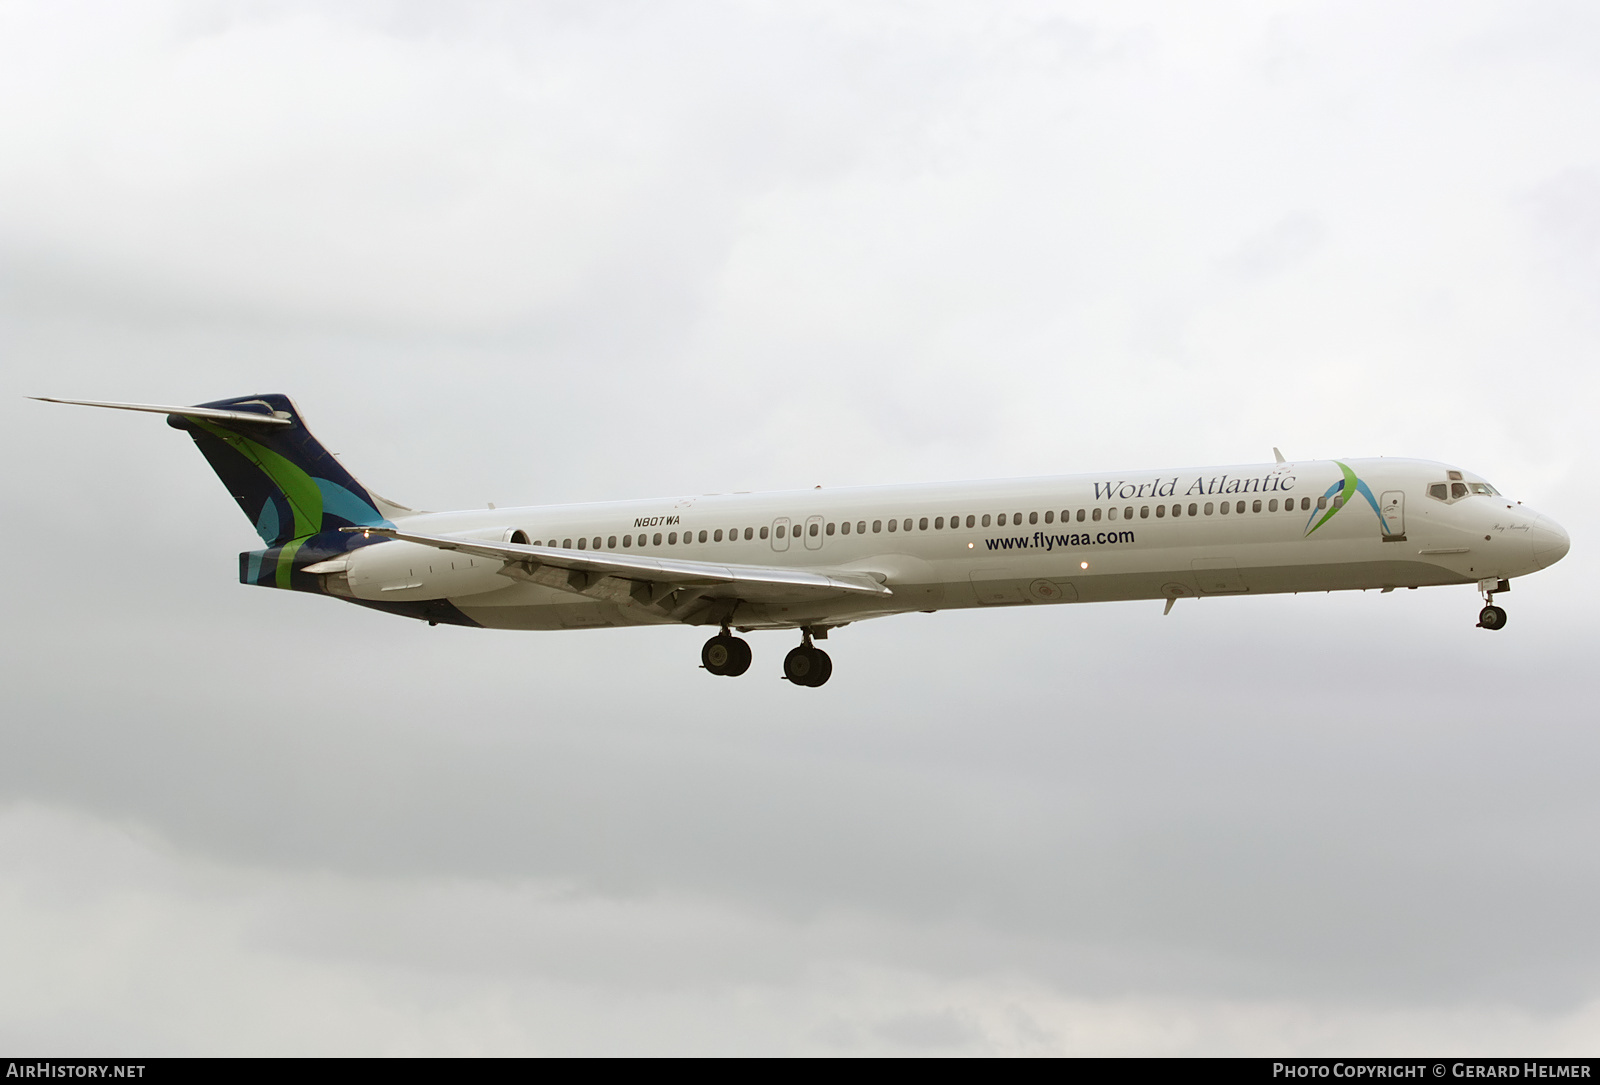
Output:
x=401 y=571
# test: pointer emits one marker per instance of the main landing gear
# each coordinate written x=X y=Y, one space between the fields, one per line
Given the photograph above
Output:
x=725 y=654
x=728 y=655
x=1491 y=616
x=807 y=665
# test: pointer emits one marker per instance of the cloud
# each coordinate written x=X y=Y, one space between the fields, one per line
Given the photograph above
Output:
x=131 y=943
x=569 y=254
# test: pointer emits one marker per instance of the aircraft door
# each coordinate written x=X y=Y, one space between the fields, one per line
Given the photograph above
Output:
x=1394 y=515
x=780 y=533
x=813 y=533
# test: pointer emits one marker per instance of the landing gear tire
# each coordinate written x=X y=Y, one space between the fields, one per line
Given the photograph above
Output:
x=1491 y=617
x=726 y=655
x=807 y=666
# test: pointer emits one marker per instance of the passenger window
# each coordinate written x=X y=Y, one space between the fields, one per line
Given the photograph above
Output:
x=1225 y=510
x=1081 y=514
x=747 y=534
x=907 y=524
x=718 y=536
x=657 y=540
x=1096 y=514
x=583 y=544
x=1161 y=511
x=672 y=538
x=922 y=524
x=1050 y=517
x=1016 y=518
x=830 y=528
x=1272 y=506
x=844 y=528
x=566 y=544
x=813 y=531
x=1127 y=513
x=1255 y=506
x=938 y=523
x=611 y=543
x=985 y=519
x=780 y=531
x=861 y=527
x=763 y=532
x=1322 y=502
x=894 y=525
x=1000 y=521
x=1111 y=514
x=1194 y=509
x=1033 y=518
x=1458 y=489
x=971 y=521
x=1239 y=507
x=877 y=525
x=1208 y=508
x=1144 y=512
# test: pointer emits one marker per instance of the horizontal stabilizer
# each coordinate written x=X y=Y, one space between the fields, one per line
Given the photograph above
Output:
x=210 y=413
x=748 y=581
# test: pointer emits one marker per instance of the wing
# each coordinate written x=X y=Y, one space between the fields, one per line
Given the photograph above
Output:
x=648 y=581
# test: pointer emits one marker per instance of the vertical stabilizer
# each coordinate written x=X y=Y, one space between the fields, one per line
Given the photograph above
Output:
x=294 y=491
x=284 y=480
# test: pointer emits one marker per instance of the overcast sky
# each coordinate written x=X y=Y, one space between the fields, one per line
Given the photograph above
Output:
x=530 y=253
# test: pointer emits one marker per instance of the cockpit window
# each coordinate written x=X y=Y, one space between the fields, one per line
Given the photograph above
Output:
x=1483 y=488
x=1439 y=491
x=1458 y=489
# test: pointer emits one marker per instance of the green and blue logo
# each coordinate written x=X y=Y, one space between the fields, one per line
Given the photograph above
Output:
x=1337 y=496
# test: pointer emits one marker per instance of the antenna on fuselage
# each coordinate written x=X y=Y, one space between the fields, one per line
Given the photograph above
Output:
x=1278 y=454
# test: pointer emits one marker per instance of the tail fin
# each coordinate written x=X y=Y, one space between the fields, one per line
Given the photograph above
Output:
x=283 y=479
x=293 y=490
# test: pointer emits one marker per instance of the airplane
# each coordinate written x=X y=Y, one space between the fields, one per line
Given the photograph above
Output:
x=811 y=561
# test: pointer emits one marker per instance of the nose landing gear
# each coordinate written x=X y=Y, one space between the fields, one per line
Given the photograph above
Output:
x=725 y=654
x=1491 y=616
x=807 y=665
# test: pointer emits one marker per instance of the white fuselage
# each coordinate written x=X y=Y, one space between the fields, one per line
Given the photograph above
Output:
x=1075 y=538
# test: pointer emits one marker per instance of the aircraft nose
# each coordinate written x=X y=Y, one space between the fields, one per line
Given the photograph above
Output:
x=1550 y=542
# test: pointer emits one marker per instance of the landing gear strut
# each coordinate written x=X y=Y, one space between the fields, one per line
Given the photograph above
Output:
x=807 y=665
x=726 y=654
x=1491 y=616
